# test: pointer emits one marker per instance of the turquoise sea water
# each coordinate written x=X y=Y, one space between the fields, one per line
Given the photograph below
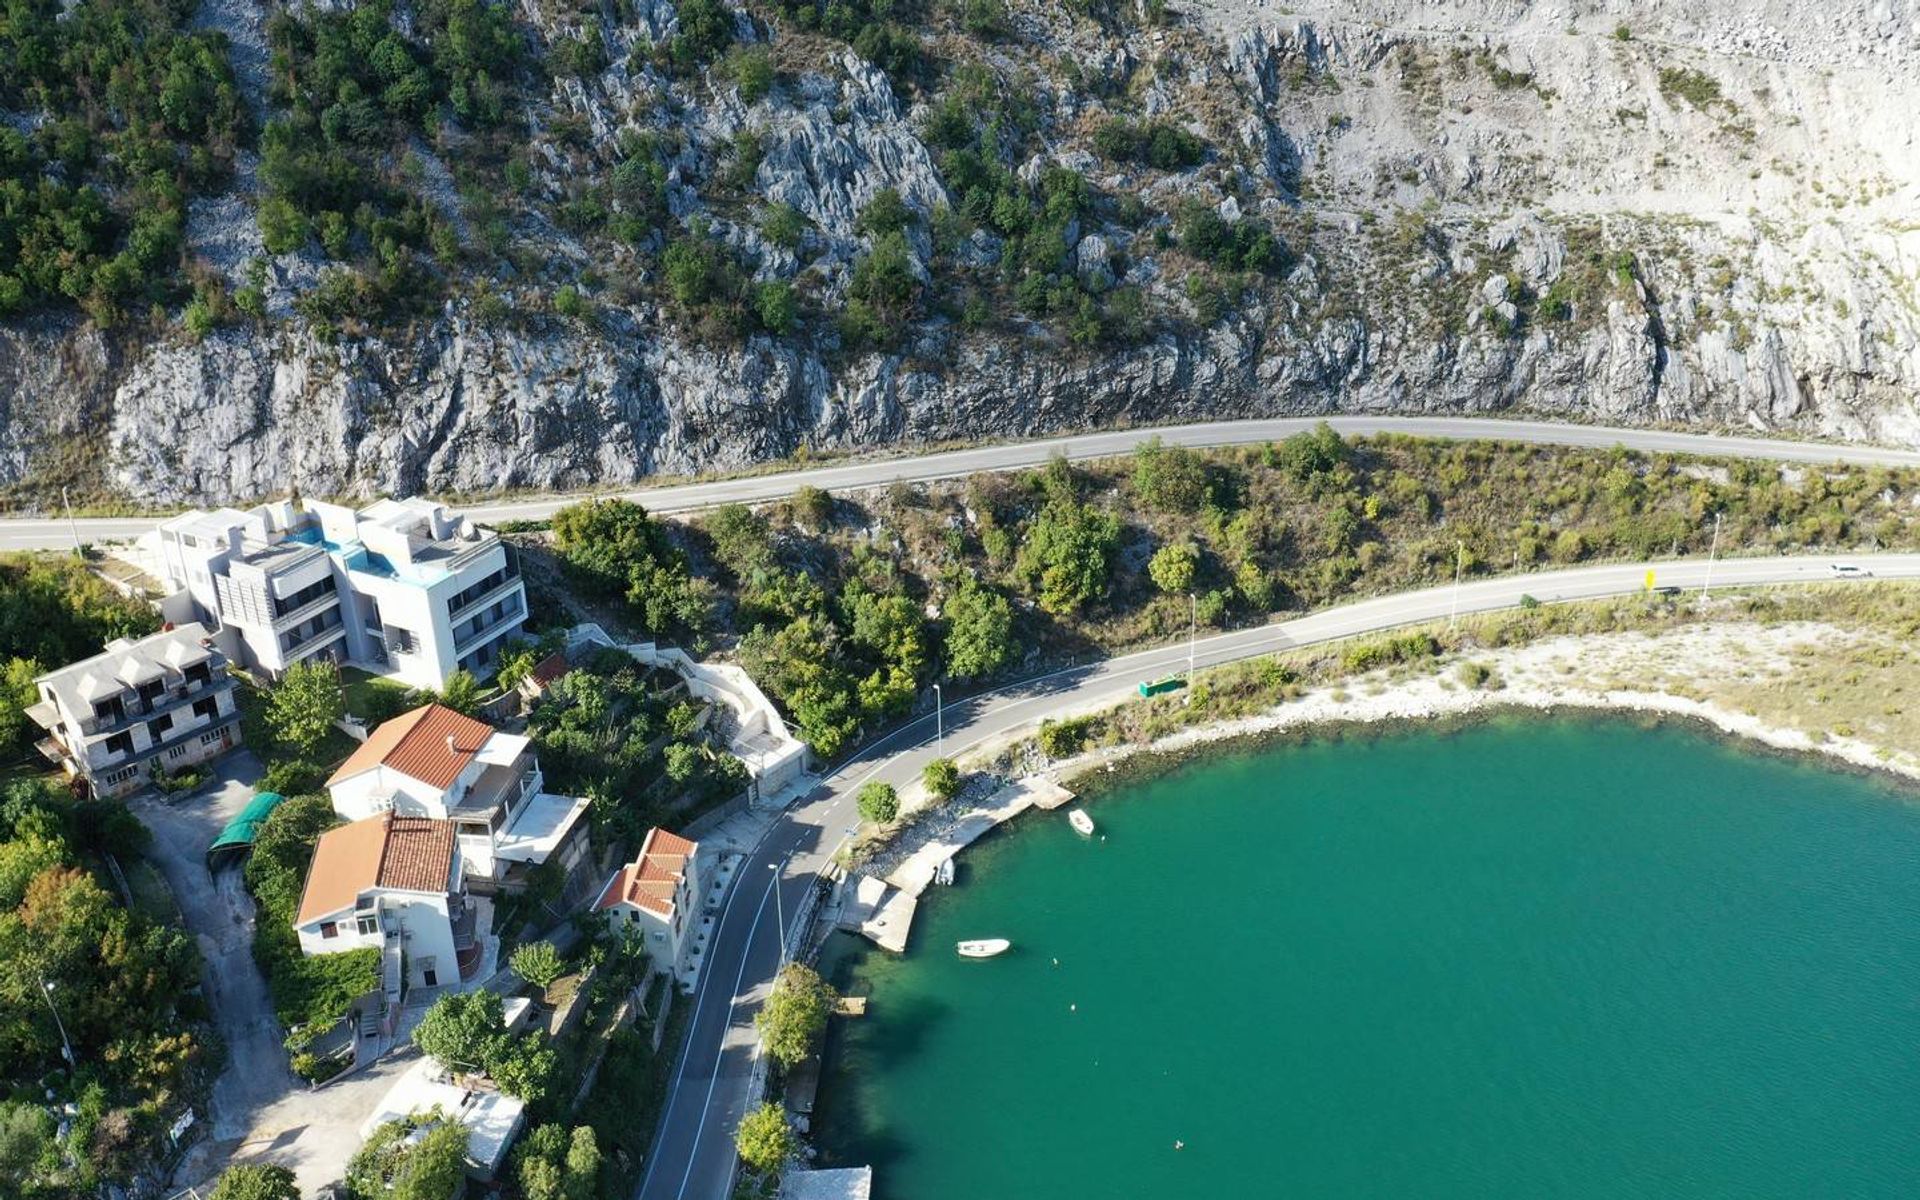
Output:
x=1539 y=959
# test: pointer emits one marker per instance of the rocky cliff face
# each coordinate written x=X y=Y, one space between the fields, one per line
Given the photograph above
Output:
x=1699 y=213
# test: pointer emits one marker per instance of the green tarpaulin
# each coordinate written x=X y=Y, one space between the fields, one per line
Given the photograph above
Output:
x=237 y=837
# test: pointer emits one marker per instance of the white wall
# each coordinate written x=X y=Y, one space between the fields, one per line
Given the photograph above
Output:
x=420 y=918
x=355 y=797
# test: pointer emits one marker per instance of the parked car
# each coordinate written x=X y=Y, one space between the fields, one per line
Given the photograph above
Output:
x=1849 y=571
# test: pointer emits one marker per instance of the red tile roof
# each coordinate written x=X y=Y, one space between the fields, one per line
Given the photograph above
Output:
x=648 y=882
x=417 y=745
x=549 y=669
x=410 y=853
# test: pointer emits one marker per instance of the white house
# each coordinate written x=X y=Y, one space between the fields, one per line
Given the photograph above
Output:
x=160 y=702
x=658 y=895
x=393 y=883
x=435 y=762
x=403 y=588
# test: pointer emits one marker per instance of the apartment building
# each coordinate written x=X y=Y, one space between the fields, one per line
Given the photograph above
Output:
x=403 y=588
x=435 y=762
x=161 y=702
x=395 y=884
x=657 y=895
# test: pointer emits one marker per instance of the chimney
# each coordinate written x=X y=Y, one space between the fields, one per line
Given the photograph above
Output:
x=451 y=748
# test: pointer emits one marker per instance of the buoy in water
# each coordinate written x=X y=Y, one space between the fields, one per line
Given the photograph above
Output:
x=1073 y=1008
x=1178 y=1144
x=1056 y=962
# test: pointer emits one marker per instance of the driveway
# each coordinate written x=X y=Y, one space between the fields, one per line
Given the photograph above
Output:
x=261 y=1112
x=219 y=914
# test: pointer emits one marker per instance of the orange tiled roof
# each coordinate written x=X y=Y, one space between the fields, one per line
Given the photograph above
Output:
x=648 y=882
x=549 y=669
x=415 y=744
x=414 y=853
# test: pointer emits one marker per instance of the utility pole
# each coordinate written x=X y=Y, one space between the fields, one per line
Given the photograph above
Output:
x=71 y=527
x=66 y=1047
x=939 y=723
x=779 y=873
x=1459 y=560
x=1712 y=552
x=1193 y=630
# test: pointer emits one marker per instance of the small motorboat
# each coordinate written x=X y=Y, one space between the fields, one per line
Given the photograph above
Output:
x=1081 y=822
x=983 y=947
x=943 y=874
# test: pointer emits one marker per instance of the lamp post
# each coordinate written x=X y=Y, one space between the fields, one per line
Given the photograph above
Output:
x=71 y=527
x=939 y=723
x=780 y=911
x=1711 y=553
x=66 y=1047
x=1193 y=630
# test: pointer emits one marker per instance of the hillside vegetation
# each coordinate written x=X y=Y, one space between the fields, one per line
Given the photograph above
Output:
x=847 y=608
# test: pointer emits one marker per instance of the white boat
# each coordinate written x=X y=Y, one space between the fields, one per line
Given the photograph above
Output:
x=943 y=874
x=1081 y=822
x=983 y=947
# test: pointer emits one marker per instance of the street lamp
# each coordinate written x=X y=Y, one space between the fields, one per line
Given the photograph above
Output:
x=1711 y=552
x=1193 y=630
x=939 y=723
x=780 y=909
x=66 y=1047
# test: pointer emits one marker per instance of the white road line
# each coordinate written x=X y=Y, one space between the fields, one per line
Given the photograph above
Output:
x=746 y=953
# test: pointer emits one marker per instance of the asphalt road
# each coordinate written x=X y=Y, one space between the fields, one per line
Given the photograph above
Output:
x=42 y=533
x=694 y=1156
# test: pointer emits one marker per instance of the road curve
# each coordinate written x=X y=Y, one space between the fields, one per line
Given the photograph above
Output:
x=41 y=533
x=693 y=1156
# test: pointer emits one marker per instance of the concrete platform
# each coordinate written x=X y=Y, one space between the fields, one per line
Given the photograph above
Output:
x=881 y=914
x=913 y=875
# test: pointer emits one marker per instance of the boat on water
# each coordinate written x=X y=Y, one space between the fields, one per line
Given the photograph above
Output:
x=943 y=874
x=983 y=947
x=1081 y=822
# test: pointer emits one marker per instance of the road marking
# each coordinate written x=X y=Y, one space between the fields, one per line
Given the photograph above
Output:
x=746 y=952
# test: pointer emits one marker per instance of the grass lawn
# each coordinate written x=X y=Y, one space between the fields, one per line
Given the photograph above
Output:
x=363 y=691
x=151 y=895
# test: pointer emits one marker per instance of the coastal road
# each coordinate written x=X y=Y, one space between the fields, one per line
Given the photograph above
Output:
x=40 y=533
x=693 y=1156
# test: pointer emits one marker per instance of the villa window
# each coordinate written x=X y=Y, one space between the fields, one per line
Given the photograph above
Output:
x=206 y=709
x=368 y=924
x=329 y=929
x=120 y=743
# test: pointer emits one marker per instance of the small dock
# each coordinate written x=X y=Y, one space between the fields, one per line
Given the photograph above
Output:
x=881 y=914
x=1035 y=791
x=850 y=1006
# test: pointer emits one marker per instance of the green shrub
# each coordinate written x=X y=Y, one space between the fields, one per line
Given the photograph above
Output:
x=1063 y=739
x=878 y=802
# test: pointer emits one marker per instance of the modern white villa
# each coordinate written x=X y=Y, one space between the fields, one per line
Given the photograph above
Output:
x=435 y=762
x=162 y=702
x=403 y=588
x=393 y=883
x=658 y=896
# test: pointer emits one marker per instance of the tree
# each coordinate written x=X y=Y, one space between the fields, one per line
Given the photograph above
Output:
x=460 y=1029
x=1173 y=567
x=583 y=1164
x=979 y=631
x=390 y=1167
x=1305 y=456
x=794 y=1017
x=538 y=963
x=17 y=693
x=462 y=693
x=305 y=703
x=27 y=1145
x=877 y=802
x=942 y=778
x=256 y=1181
x=765 y=1140
x=1169 y=478
x=1068 y=554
